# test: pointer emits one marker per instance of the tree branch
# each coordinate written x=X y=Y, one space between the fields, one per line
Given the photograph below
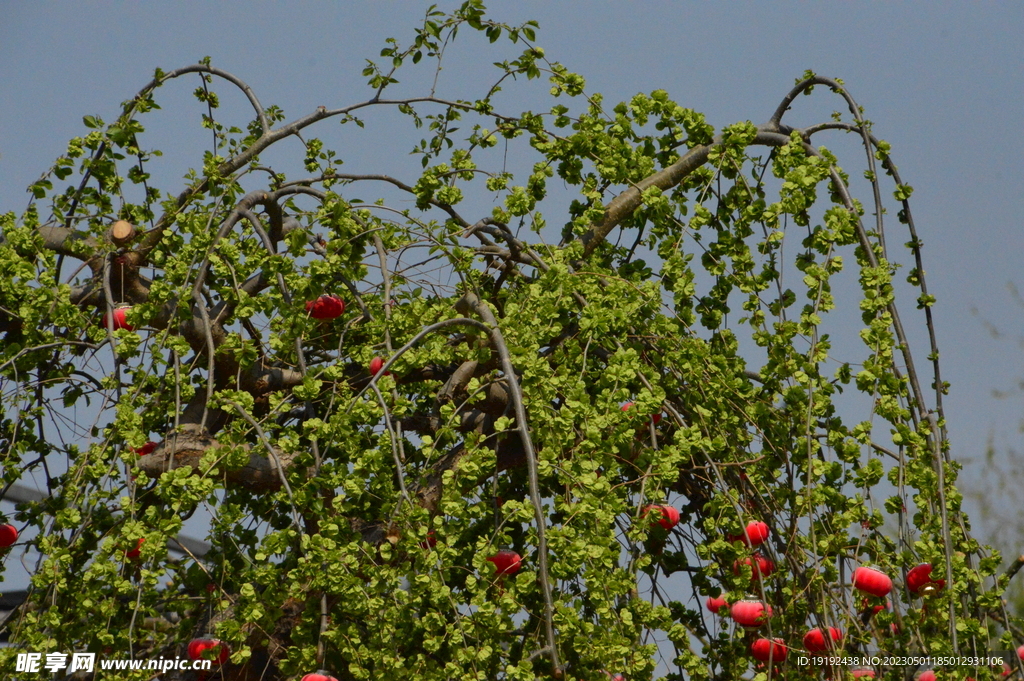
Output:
x=623 y=205
x=468 y=302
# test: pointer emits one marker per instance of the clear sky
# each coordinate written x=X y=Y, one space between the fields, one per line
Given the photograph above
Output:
x=941 y=81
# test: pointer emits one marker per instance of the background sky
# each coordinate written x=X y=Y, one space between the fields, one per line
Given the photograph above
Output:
x=941 y=82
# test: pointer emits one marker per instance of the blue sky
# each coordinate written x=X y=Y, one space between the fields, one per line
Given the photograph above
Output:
x=941 y=81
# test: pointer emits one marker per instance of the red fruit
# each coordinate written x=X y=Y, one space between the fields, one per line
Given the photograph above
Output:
x=755 y=534
x=920 y=582
x=863 y=673
x=195 y=647
x=1020 y=652
x=430 y=542
x=865 y=605
x=198 y=647
x=319 y=676
x=926 y=675
x=654 y=417
x=137 y=551
x=325 y=307
x=764 y=649
x=750 y=614
x=120 y=319
x=8 y=535
x=211 y=587
x=145 y=449
x=376 y=364
x=669 y=515
x=872 y=581
x=759 y=566
x=716 y=604
x=506 y=562
x=815 y=641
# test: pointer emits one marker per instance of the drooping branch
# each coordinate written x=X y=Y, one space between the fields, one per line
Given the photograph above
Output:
x=470 y=302
x=626 y=203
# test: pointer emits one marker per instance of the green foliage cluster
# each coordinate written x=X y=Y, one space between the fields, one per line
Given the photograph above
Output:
x=364 y=548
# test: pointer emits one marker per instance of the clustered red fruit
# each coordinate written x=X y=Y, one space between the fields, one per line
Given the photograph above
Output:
x=765 y=649
x=747 y=613
x=668 y=516
x=8 y=535
x=750 y=613
x=325 y=307
x=120 y=319
x=815 y=640
x=506 y=562
x=760 y=566
x=715 y=604
x=198 y=647
x=872 y=581
x=920 y=582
